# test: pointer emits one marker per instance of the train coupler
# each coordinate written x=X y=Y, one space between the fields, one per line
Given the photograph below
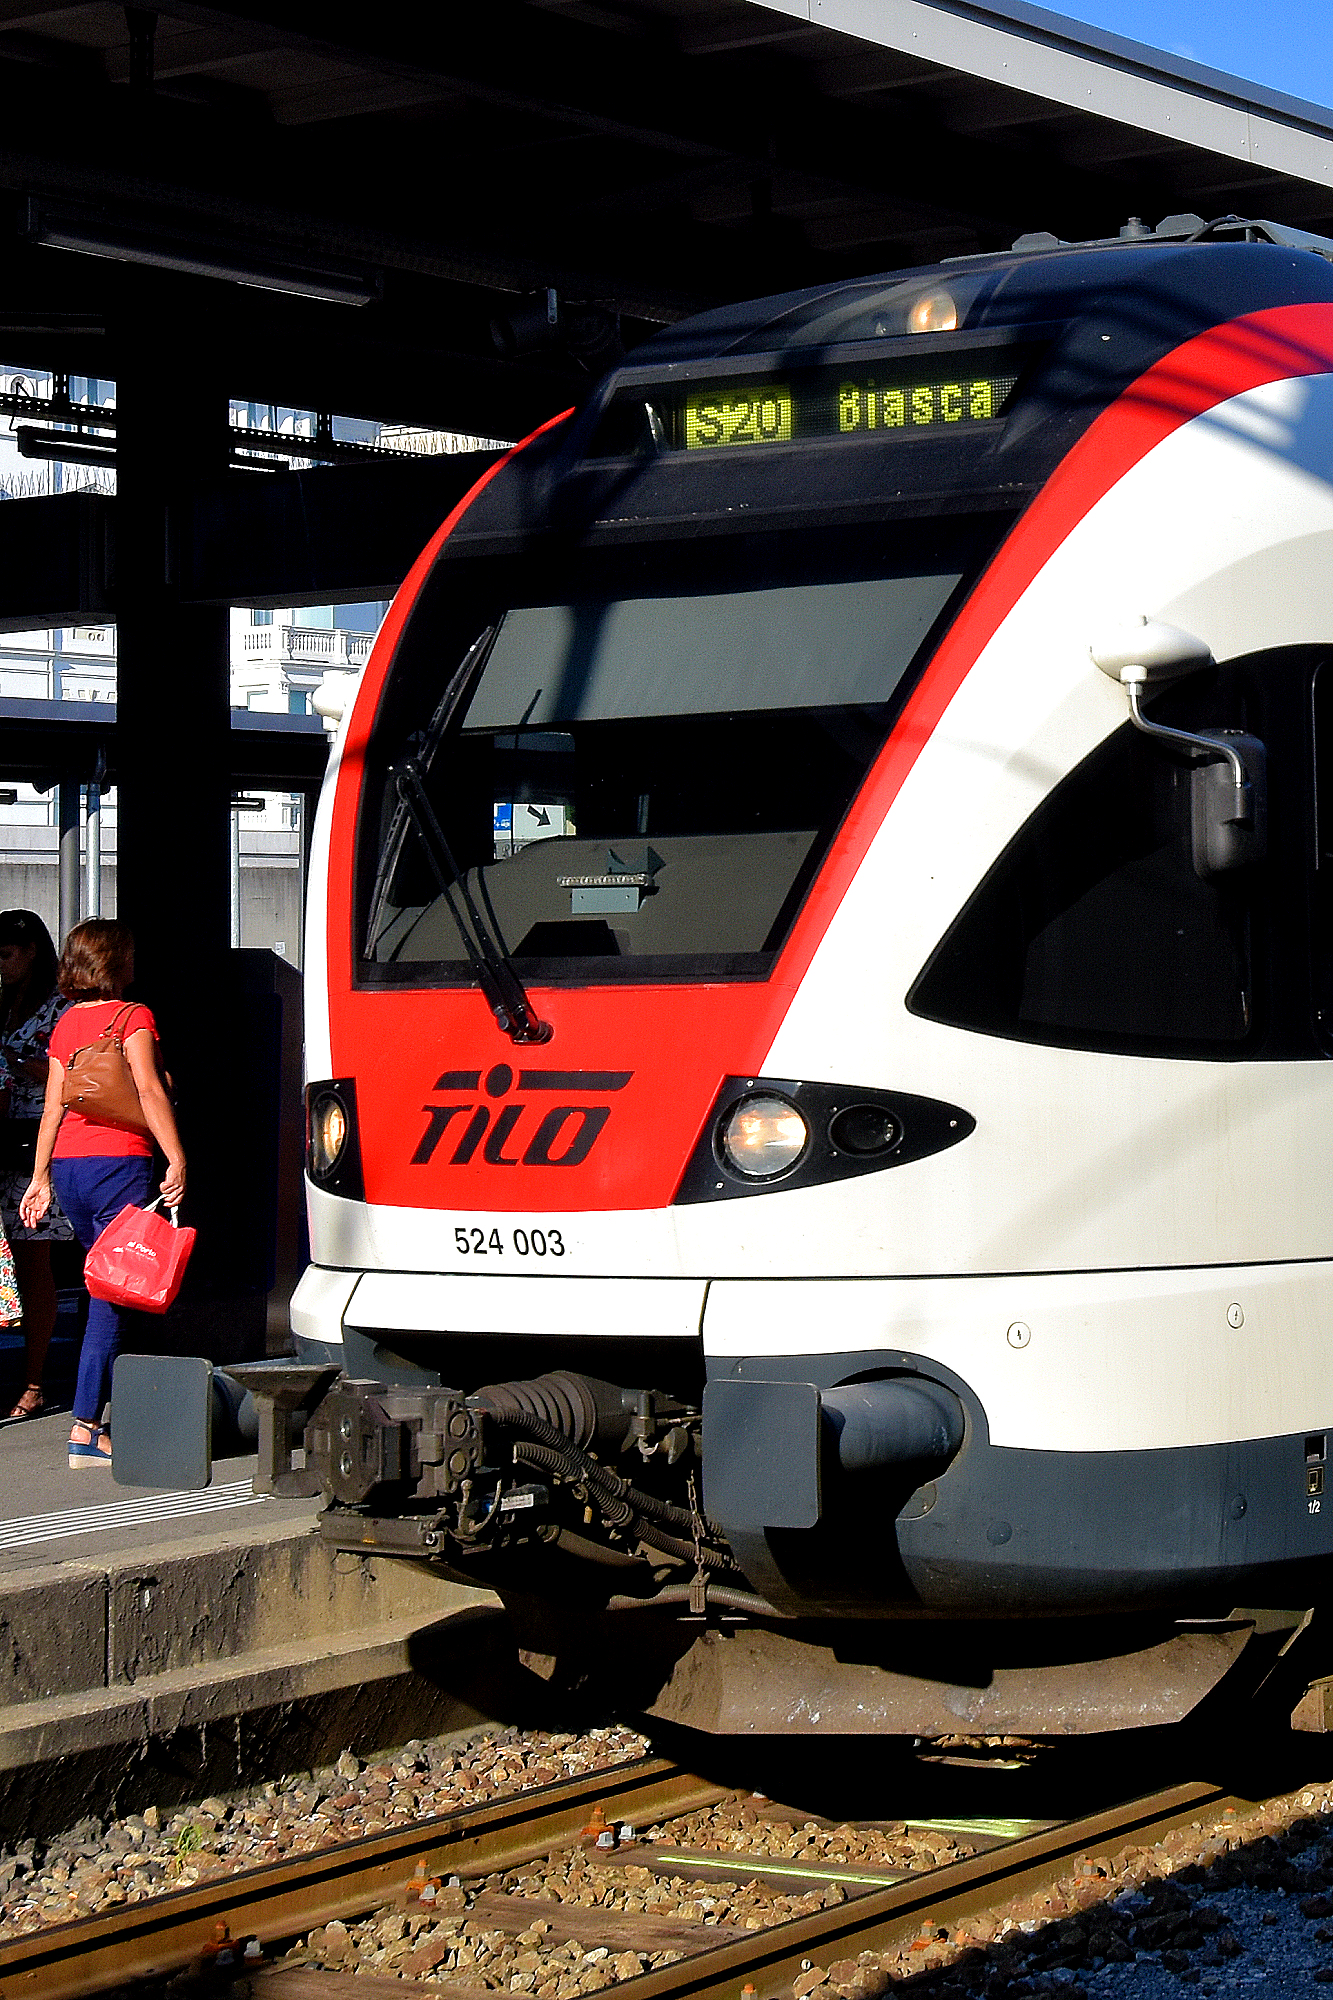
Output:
x=173 y=1414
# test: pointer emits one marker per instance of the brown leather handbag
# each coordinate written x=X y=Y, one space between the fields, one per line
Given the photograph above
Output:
x=97 y=1082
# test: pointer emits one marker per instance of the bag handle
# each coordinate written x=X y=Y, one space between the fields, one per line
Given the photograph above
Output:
x=174 y=1213
x=109 y=1032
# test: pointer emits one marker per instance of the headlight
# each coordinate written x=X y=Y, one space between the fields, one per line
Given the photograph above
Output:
x=328 y=1133
x=933 y=312
x=762 y=1137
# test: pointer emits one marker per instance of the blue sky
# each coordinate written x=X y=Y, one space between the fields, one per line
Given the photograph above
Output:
x=1284 y=44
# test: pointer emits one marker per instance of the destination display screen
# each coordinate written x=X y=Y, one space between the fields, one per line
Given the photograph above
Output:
x=850 y=404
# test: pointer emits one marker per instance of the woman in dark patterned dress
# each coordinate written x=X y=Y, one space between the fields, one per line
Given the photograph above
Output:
x=29 y=1009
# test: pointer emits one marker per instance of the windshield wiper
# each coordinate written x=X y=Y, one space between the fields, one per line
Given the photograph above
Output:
x=488 y=958
x=486 y=954
x=458 y=690
x=491 y=963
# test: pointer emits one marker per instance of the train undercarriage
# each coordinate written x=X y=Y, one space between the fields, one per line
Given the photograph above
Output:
x=580 y=1504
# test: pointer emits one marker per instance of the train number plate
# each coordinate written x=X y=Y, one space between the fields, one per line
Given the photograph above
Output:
x=519 y=1245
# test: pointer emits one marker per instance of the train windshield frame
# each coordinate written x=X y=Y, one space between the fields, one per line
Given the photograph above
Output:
x=636 y=760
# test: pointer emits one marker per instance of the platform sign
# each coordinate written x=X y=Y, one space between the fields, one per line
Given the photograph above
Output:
x=520 y=822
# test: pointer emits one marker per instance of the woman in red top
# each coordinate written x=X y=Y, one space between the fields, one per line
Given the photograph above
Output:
x=97 y=1168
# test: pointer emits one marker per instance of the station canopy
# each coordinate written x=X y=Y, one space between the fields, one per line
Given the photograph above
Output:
x=452 y=216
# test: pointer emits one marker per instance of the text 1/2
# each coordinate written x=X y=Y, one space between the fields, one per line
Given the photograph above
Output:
x=476 y=1242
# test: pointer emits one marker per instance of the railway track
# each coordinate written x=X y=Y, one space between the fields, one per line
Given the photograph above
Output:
x=875 y=1911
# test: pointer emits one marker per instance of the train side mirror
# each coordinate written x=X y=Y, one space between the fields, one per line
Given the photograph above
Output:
x=1145 y=652
x=1228 y=785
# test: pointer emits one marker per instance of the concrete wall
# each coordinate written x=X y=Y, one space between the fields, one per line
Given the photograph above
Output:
x=187 y=1667
x=271 y=899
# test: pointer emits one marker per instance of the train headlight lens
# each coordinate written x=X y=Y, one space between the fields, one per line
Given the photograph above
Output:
x=762 y=1137
x=933 y=312
x=328 y=1133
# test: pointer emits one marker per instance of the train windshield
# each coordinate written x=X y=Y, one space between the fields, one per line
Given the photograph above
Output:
x=637 y=782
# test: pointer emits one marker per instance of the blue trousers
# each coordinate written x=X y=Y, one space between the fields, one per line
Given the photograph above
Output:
x=92 y=1192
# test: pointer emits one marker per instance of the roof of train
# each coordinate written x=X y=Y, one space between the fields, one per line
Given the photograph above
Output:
x=1080 y=321
x=1210 y=271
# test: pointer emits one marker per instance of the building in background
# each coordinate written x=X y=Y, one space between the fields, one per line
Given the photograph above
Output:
x=279 y=657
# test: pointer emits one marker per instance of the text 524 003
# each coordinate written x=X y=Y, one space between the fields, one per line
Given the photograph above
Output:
x=472 y=1241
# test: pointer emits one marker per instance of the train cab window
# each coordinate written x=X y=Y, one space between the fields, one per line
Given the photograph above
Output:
x=637 y=777
x=1093 y=930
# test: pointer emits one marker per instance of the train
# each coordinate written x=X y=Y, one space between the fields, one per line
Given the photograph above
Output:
x=819 y=981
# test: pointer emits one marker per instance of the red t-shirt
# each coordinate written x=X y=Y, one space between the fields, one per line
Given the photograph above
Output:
x=80 y=1137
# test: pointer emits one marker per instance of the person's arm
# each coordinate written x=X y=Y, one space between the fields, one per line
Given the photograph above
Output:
x=141 y=1055
x=37 y=1198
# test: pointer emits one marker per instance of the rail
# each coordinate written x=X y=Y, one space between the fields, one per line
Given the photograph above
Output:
x=166 y=1933
x=163 y=1934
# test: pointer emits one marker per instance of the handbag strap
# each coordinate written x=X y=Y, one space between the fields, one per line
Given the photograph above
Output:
x=108 y=1034
x=174 y=1213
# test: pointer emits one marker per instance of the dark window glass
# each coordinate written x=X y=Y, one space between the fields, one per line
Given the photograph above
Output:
x=1094 y=929
x=647 y=762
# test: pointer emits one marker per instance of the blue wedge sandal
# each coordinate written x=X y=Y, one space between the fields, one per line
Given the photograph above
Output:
x=94 y=1450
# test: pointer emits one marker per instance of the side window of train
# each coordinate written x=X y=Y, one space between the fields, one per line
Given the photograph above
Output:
x=1094 y=929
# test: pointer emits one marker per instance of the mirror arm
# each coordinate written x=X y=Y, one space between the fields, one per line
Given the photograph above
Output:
x=1211 y=747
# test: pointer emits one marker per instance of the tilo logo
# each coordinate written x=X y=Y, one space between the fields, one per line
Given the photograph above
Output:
x=563 y=1136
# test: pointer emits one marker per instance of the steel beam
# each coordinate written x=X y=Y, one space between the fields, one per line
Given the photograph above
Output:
x=54 y=561
x=341 y=534
x=345 y=533
x=41 y=741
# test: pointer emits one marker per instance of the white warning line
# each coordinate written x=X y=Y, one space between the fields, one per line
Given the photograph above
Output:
x=126 y=1514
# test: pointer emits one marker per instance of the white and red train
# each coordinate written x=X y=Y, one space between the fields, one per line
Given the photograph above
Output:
x=820 y=980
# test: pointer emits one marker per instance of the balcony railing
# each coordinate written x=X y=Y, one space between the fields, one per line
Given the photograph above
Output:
x=311 y=645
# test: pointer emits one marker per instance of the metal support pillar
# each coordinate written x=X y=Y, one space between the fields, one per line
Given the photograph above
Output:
x=306 y=809
x=235 y=878
x=93 y=898
x=67 y=795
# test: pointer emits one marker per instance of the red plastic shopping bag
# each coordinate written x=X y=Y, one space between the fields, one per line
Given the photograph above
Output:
x=139 y=1260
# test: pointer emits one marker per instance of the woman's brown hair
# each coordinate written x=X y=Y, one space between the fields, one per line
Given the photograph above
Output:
x=98 y=957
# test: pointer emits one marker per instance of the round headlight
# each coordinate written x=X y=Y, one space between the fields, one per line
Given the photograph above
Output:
x=864 y=1130
x=762 y=1137
x=328 y=1133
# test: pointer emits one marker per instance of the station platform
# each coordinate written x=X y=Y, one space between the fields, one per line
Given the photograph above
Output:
x=51 y=1514
x=158 y=1646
